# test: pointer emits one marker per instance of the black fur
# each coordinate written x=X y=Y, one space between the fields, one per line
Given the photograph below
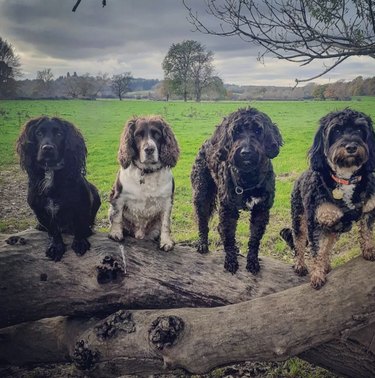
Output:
x=53 y=153
x=236 y=159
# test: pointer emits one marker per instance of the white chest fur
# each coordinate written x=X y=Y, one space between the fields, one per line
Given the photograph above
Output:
x=52 y=207
x=348 y=191
x=145 y=195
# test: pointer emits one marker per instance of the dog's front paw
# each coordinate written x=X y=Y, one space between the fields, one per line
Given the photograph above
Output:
x=253 y=266
x=116 y=234
x=55 y=251
x=231 y=263
x=328 y=214
x=300 y=269
x=202 y=247
x=166 y=244
x=81 y=246
x=318 y=280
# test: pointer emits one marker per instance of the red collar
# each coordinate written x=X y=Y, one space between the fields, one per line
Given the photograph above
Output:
x=352 y=180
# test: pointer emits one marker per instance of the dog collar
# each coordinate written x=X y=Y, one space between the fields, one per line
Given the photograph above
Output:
x=146 y=171
x=239 y=190
x=352 y=180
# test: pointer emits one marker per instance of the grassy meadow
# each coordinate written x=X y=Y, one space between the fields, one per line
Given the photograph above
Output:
x=101 y=123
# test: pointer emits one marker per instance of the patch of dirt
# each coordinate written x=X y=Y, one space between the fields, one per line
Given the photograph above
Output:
x=15 y=213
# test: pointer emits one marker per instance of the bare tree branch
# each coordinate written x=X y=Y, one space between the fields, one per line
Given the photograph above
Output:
x=76 y=5
x=104 y=3
x=298 y=31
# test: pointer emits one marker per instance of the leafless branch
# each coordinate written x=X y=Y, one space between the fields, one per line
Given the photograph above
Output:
x=299 y=31
x=76 y=5
x=104 y=3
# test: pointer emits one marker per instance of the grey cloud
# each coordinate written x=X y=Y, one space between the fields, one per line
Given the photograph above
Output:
x=131 y=35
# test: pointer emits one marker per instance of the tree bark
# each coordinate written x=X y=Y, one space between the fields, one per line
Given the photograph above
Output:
x=153 y=279
x=334 y=326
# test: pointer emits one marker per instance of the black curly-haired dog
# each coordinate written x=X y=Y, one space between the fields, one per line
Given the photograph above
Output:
x=233 y=168
x=53 y=153
x=337 y=190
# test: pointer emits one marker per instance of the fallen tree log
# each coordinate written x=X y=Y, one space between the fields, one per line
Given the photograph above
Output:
x=297 y=320
x=153 y=279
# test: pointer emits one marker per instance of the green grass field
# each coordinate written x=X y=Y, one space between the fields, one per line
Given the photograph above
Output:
x=101 y=123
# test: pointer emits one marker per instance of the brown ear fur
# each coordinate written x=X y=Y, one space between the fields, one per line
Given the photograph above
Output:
x=126 y=152
x=169 y=150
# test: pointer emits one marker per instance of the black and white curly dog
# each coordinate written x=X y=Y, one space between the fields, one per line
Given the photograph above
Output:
x=337 y=190
x=233 y=170
x=53 y=153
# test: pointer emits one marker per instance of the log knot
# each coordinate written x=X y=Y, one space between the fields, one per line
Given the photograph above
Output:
x=109 y=270
x=83 y=357
x=15 y=239
x=120 y=321
x=165 y=330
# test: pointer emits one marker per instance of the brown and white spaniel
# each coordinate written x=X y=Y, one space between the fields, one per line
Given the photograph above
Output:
x=142 y=196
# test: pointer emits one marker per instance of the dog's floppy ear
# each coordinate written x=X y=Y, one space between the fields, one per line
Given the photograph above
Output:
x=272 y=140
x=169 y=150
x=127 y=151
x=316 y=152
x=75 y=150
x=26 y=146
x=223 y=139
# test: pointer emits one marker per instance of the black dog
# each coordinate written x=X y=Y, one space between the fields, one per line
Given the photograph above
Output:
x=337 y=190
x=53 y=153
x=234 y=168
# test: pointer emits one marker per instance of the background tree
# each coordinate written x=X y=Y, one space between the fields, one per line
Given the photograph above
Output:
x=120 y=84
x=164 y=89
x=216 y=89
x=189 y=67
x=71 y=85
x=44 y=85
x=86 y=85
x=319 y=91
x=356 y=86
x=202 y=71
x=299 y=31
x=9 y=69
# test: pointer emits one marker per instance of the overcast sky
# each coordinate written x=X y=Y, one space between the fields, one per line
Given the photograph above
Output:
x=135 y=35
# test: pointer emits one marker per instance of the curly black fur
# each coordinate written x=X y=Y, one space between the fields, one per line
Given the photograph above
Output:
x=344 y=145
x=53 y=153
x=233 y=168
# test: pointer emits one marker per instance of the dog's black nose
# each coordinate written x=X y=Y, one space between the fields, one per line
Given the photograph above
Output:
x=245 y=152
x=149 y=150
x=351 y=148
x=48 y=148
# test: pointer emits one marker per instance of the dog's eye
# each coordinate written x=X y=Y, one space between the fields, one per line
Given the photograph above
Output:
x=358 y=132
x=155 y=135
x=258 y=130
x=337 y=131
x=238 y=130
x=39 y=133
x=139 y=134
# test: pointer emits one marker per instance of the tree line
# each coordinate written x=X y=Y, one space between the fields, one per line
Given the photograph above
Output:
x=189 y=74
x=188 y=68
